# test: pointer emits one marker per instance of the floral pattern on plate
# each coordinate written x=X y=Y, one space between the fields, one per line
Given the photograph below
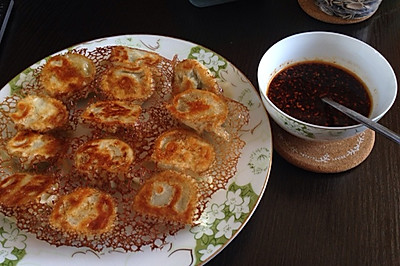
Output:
x=221 y=221
x=12 y=242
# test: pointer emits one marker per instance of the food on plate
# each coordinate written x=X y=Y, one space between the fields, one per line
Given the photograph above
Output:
x=85 y=211
x=191 y=74
x=200 y=110
x=24 y=188
x=66 y=75
x=112 y=115
x=109 y=155
x=140 y=157
x=32 y=147
x=39 y=113
x=133 y=57
x=182 y=150
x=127 y=84
x=169 y=196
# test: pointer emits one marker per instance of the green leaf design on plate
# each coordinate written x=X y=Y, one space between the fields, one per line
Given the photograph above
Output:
x=220 y=222
x=12 y=243
x=26 y=77
x=18 y=81
x=246 y=98
x=126 y=42
x=259 y=160
x=18 y=253
x=211 y=60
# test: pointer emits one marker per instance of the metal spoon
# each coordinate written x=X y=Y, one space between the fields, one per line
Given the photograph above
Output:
x=364 y=120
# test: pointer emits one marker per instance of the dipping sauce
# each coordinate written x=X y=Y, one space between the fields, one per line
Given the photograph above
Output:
x=297 y=90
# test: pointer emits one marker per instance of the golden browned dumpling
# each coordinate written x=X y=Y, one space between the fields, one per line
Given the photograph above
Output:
x=31 y=147
x=127 y=84
x=200 y=110
x=110 y=155
x=191 y=74
x=133 y=57
x=183 y=150
x=66 y=75
x=39 y=113
x=168 y=195
x=85 y=211
x=112 y=114
x=24 y=188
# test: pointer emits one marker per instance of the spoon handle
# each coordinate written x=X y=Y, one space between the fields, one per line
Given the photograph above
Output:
x=364 y=120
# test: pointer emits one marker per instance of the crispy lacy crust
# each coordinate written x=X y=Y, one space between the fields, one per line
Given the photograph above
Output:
x=24 y=188
x=200 y=110
x=191 y=74
x=33 y=147
x=183 y=150
x=112 y=115
x=127 y=84
x=66 y=75
x=85 y=211
x=133 y=57
x=110 y=155
x=168 y=195
x=39 y=113
x=134 y=229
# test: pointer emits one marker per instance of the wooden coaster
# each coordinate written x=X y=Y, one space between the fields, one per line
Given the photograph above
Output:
x=326 y=156
x=313 y=10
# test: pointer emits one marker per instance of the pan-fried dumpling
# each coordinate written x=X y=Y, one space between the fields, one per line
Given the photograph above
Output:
x=110 y=155
x=133 y=57
x=191 y=74
x=168 y=196
x=182 y=150
x=127 y=84
x=85 y=211
x=24 y=188
x=112 y=115
x=200 y=110
x=32 y=147
x=39 y=113
x=66 y=75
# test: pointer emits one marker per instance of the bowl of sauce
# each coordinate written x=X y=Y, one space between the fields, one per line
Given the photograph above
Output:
x=296 y=72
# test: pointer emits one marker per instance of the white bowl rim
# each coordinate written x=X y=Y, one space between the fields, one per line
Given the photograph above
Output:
x=341 y=36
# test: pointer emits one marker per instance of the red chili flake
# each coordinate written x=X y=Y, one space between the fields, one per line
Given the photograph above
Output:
x=297 y=90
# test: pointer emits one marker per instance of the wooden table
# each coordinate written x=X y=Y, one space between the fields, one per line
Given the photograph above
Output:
x=350 y=218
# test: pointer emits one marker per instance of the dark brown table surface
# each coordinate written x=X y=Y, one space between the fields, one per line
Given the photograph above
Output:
x=350 y=218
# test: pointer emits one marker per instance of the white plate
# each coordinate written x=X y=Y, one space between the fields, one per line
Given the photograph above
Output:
x=228 y=210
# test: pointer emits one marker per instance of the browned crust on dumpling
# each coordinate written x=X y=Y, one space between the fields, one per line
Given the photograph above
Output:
x=32 y=147
x=110 y=155
x=24 y=188
x=66 y=75
x=191 y=74
x=39 y=113
x=112 y=114
x=168 y=196
x=133 y=57
x=183 y=150
x=200 y=110
x=85 y=211
x=127 y=84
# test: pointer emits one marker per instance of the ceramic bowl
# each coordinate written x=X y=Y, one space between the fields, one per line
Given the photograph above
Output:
x=360 y=58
